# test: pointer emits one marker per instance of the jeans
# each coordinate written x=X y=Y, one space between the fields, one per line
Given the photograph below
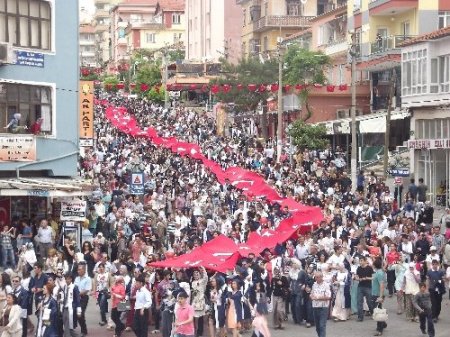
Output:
x=320 y=320
x=380 y=325
x=103 y=304
x=8 y=256
x=436 y=302
x=427 y=319
x=84 y=299
x=364 y=292
x=297 y=308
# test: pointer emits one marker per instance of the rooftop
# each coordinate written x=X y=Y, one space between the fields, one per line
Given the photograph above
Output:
x=437 y=34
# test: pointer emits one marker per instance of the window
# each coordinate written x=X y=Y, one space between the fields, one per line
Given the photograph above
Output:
x=177 y=37
x=341 y=74
x=150 y=37
x=293 y=9
x=26 y=23
x=30 y=101
x=176 y=18
x=444 y=73
x=356 y=5
x=414 y=72
x=444 y=19
x=136 y=18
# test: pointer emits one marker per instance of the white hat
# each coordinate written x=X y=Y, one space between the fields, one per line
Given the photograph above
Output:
x=433 y=248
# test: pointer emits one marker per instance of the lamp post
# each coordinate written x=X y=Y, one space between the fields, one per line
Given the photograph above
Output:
x=280 y=101
x=353 y=54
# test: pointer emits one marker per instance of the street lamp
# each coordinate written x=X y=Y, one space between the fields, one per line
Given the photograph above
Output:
x=353 y=55
x=281 y=49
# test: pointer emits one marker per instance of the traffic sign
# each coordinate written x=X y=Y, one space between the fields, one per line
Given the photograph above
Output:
x=137 y=183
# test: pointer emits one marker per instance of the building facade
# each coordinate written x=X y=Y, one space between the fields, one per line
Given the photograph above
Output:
x=426 y=93
x=213 y=30
x=268 y=22
x=88 y=46
x=32 y=90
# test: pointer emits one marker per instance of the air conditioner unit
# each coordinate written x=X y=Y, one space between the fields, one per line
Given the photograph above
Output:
x=6 y=53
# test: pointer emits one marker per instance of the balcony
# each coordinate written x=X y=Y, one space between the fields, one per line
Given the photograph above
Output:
x=336 y=47
x=388 y=45
x=283 y=21
x=386 y=7
x=122 y=41
x=101 y=2
x=101 y=27
x=101 y=13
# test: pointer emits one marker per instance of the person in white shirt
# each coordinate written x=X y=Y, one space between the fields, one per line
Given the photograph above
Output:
x=142 y=304
x=45 y=237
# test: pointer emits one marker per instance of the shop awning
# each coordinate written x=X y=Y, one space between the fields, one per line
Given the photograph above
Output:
x=45 y=187
x=371 y=123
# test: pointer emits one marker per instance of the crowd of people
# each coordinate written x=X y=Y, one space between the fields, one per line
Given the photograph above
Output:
x=365 y=249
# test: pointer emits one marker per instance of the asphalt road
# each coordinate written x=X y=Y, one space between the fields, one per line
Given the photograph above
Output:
x=398 y=326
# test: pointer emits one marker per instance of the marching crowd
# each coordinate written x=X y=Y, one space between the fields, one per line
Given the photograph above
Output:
x=366 y=248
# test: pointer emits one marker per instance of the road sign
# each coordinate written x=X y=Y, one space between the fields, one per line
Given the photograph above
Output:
x=137 y=183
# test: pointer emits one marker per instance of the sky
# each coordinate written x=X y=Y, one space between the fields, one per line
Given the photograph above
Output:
x=88 y=4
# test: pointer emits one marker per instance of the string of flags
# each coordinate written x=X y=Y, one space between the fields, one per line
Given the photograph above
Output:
x=226 y=88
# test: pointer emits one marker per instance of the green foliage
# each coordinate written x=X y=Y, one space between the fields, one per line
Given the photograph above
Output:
x=155 y=95
x=302 y=66
x=112 y=81
x=247 y=71
x=149 y=73
x=90 y=77
x=308 y=136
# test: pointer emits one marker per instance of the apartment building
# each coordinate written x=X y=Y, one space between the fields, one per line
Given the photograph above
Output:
x=88 y=46
x=101 y=25
x=268 y=22
x=213 y=30
x=425 y=88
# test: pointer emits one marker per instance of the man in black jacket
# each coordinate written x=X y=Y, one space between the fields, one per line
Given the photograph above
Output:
x=22 y=299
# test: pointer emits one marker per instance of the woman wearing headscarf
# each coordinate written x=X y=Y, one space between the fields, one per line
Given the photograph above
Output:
x=342 y=303
x=198 y=300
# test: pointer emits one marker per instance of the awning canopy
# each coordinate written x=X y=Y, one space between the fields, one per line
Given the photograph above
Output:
x=372 y=123
x=45 y=187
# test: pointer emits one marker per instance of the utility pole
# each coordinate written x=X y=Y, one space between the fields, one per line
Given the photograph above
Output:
x=165 y=78
x=387 y=134
x=353 y=160
x=280 y=102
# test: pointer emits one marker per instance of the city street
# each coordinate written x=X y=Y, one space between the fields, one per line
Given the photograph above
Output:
x=397 y=325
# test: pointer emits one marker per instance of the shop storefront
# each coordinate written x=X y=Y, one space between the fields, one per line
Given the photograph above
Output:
x=430 y=152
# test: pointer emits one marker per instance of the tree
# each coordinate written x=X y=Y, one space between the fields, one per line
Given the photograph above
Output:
x=302 y=66
x=156 y=95
x=308 y=136
x=110 y=83
x=247 y=71
x=148 y=73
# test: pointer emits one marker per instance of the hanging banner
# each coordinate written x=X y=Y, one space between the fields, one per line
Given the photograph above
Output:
x=86 y=109
x=74 y=210
x=17 y=148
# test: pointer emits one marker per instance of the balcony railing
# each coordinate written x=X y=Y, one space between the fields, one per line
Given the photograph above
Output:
x=376 y=3
x=283 y=21
x=388 y=43
x=336 y=47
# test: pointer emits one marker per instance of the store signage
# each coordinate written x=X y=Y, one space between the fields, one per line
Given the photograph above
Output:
x=87 y=109
x=86 y=142
x=74 y=210
x=17 y=148
x=38 y=193
x=429 y=144
x=399 y=172
x=30 y=59
x=137 y=183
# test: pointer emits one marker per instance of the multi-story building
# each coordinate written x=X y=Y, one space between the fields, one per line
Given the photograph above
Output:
x=268 y=22
x=167 y=27
x=102 y=23
x=88 y=47
x=213 y=30
x=425 y=90
x=32 y=92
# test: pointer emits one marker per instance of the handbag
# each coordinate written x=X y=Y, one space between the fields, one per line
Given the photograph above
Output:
x=124 y=306
x=380 y=314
